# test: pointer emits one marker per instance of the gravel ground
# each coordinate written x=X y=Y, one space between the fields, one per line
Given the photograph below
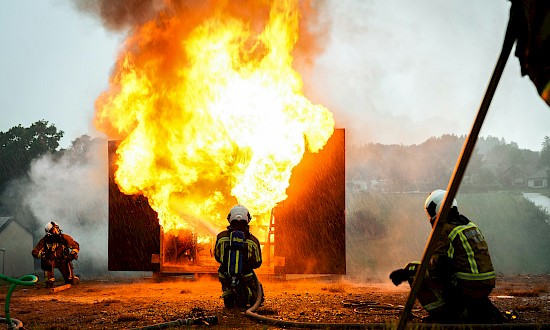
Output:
x=140 y=303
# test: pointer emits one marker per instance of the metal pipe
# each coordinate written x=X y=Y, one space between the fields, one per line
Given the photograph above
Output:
x=460 y=168
x=3 y=259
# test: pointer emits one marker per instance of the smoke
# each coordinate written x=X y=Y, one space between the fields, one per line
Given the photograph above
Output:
x=397 y=72
x=120 y=15
x=72 y=191
x=345 y=65
x=383 y=232
x=390 y=71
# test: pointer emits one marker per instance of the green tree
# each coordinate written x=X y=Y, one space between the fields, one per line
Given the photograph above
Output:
x=19 y=146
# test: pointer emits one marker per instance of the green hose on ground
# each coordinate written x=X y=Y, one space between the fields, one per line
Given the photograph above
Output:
x=27 y=280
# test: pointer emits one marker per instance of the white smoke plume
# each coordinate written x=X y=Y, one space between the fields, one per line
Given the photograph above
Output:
x=397 y=72
x=73 y=192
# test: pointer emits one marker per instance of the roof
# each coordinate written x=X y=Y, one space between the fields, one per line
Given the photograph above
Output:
x=540 y=174
x=512 y=170
x=4 y=222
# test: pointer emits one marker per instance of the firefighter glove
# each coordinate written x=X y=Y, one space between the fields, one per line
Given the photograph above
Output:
x=398 y=276
x=73 y=255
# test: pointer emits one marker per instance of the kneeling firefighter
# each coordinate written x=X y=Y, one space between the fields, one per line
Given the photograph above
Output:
x=56 y=250
x=239 y=253
x=460 y=274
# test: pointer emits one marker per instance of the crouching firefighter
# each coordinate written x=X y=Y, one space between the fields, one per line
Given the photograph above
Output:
x=56 y=250
x=460 y=274
x=239 y=253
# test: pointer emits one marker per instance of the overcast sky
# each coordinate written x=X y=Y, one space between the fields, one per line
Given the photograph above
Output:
x=392 y=71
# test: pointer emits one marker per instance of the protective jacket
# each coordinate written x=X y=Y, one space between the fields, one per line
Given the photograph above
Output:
x=57 y=251
x=55 y=247
x=460 y=275
x=463 y=252
x=229 y=244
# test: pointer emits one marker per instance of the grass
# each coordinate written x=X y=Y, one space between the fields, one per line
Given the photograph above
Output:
x=387 y=230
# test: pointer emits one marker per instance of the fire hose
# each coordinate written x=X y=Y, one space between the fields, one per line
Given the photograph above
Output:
x=311 y=325
x=205 y=321
x=27 y=280
x=362 y=306
x=372 y=307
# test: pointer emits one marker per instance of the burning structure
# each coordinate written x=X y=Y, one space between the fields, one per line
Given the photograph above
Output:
x=305 y=235
x=207 y=110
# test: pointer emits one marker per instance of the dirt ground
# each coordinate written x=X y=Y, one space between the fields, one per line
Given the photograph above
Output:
x=126 y=303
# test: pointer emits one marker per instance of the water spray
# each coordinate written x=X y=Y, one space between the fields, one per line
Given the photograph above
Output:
x=206 y=225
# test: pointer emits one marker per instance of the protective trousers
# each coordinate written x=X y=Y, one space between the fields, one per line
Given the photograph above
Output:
x=249 y=283
x=463 y=302
x=65 y=268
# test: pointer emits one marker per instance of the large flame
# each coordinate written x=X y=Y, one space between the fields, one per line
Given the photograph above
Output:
x=210 y=112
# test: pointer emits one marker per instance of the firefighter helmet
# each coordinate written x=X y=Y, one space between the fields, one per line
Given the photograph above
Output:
x=434 y=201
x=51 y=225
x=239 y=213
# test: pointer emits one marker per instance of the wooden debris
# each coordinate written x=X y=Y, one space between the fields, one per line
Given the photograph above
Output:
x=60 y=288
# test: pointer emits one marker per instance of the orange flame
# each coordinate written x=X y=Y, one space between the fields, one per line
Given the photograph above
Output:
x=210 y=111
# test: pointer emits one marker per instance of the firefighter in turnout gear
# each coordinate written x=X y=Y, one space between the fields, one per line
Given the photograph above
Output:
x=56 y=250
x=460 y=274
x=239 y=253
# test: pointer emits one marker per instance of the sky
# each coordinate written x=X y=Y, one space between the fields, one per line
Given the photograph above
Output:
x=392 y=72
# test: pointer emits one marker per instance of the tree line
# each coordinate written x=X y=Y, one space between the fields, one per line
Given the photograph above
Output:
x=20 y=146
x=402 y=167
x=494 y=164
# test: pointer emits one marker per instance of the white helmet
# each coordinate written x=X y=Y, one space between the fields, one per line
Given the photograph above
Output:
x=239 y=212
x=434 y=201
x=49 y=226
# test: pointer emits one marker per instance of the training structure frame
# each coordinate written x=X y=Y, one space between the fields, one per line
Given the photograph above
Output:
x=306 y=236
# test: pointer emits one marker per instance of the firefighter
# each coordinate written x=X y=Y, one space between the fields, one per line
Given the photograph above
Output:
x=56 y=250
x=239 y=253
x=460 y=274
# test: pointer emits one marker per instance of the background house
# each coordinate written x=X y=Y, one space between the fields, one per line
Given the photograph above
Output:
x=356 y=186
x=539 y=179
x=16 y=244
x=512 y=177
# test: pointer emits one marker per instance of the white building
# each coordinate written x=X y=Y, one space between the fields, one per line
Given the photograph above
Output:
x=16 y=244
x=356 y=186
x=539 y=179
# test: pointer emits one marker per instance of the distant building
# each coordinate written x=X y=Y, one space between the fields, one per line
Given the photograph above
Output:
x=356 y=186
x=16 y=244
x=512 y=177
x=539 y=179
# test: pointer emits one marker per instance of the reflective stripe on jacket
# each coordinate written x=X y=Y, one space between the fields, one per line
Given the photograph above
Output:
x=55 y=247
x=468 y=250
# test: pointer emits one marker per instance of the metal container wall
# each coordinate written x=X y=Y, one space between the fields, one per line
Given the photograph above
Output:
x=307 y=235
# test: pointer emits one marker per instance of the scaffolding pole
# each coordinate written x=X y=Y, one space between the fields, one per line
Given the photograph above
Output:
x=459 y=170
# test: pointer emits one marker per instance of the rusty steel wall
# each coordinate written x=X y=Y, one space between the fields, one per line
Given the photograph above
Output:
x=310 y=234
x=309 y=226
x=134 y=230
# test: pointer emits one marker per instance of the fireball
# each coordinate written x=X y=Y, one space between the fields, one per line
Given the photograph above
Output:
x=209 y=111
